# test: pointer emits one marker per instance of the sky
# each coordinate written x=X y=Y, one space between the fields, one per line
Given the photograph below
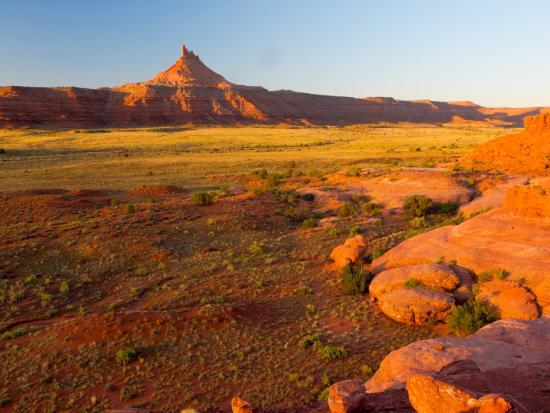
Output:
x=492 y=52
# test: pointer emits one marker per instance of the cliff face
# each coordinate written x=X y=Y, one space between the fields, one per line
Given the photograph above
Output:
x=189 y=91
x=527 y=152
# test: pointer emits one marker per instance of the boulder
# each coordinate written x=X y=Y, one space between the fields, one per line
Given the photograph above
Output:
x=504 y=344
x=239 y=405
x=509 y=299
x=429 y=394
x=351 y=252
x=346 y=396
x=416 y=306
x=431 y=299
x=437 y=276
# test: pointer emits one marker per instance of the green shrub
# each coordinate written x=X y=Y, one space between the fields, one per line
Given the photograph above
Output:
x=447 y=208
x=332 y=353
x=413 y=283
x=493 y=273
x=115 y=203
x=469 y=317
x=347 y=210
x=418 y=205
x=310 y=341
x=308 y=197
x=367 y=370
x=353 y=171
x=323 y=395
x=356 y=230
x=18 y=332
x=256 y=248
x=418 y=222
x=261 y=173
x=273 y=180
x=310 y=223
x=126 y=356
x=130 y=208
x=355 y=279
x=64 y=287
x=202 y=198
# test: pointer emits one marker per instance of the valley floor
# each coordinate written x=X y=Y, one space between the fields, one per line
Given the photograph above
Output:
x=116 y=289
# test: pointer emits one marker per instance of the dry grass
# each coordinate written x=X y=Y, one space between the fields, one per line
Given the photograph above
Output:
x=205 y=157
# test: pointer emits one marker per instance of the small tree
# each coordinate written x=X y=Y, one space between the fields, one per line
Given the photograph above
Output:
x=418 y=205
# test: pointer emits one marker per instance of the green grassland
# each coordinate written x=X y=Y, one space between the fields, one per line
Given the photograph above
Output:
x=205 y=157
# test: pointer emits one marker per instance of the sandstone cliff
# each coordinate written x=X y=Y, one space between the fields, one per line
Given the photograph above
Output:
x=527 y=152
x=190 y=92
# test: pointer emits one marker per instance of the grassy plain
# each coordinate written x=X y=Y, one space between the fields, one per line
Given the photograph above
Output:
x=204 y=157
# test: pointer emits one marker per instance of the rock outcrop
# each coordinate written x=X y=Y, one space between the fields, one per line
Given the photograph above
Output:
x=346 y=397
x=514 y=237
x=429 y=394
x=500 y=351
x=190 y=92
x=417 y=294
x=350 y=252
x=509 y=299
x=239 y=405
x=527 y=152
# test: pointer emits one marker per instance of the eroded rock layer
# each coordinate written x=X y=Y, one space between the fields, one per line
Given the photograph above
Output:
x=190 y=92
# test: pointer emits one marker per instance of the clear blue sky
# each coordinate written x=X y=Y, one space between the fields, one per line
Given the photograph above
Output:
x=494 y=52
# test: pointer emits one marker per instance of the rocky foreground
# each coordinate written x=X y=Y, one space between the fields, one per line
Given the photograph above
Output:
x=190 y=92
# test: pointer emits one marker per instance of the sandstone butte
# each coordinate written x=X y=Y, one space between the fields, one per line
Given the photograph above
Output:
x=190 y=92
x=527 y=152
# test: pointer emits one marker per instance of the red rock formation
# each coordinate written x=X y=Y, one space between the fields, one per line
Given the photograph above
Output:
x=189 y=91
x=429 y=394
x=346 y=397
x=527 y=152
x=350 y=253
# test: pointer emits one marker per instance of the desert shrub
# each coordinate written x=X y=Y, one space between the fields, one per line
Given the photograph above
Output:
x=256 y=248
x=273 y=180
x=412 y=283
x=469 y=317
x=367 y=370
x=308 y=197
x=45 y=298
x=417 y=222
x=332 y=353
x=126 y=356
x=355 y=279
x=493 y=273
x=347 y=210
x=64 y=287
x=261 y=173
x=130 y=208
x=115 y=203
x=293 y=377
x=323 y=395
x=447 y=208
x=202 y=198
x=418 y=205
x=18 y=332
x=310 y=223
x=353 y=171
x=356 y=230
x=30 y=279
x=371 y=256
x=310 y=341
